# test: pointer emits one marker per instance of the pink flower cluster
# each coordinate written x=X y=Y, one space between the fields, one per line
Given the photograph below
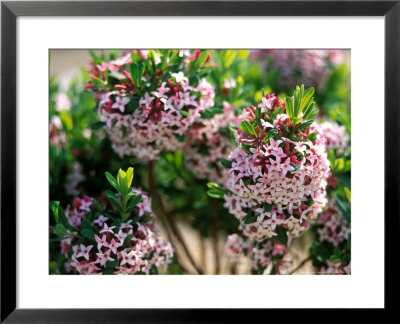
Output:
x=276 y=182
x=158 y=122
x=62 y=102
x=335 y=229
x=128 y=247
x=334 y=135
x=339 y=268
x=310 y=67
x=77 y=211
x=57 y=134
x=260 y=255
x=205 y=146
x=162 y=117
x=74 y=178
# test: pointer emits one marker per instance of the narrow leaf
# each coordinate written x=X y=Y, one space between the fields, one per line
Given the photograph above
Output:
x=112 y=181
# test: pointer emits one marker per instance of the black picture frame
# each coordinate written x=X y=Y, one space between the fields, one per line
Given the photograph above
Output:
x=10 y=10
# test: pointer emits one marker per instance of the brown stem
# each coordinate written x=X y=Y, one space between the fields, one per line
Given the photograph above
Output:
x=172 y=241
x=233 y=268
x=170 y=221
x=215 y=226
x=202 y=250
x=301 y=264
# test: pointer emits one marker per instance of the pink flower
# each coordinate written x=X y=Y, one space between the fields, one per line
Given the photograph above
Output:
x=284 y=174
x=163 y=115
x=100 y=242
x=107 y=229
x=128 y=258
x=84 y=252
x=100 y=220
x=102 y=258
x=113 y=245
x=309 y=67
x=272 y=222
x=143 y=250
x=179 y=77
x=163 y=89
x=120 y=103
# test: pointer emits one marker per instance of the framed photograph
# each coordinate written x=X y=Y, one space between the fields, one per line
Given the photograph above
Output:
x=180 y=155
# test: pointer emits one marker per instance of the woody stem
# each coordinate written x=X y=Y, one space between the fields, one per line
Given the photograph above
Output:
x=170 y=222
x=301 y=264
x=215 y=226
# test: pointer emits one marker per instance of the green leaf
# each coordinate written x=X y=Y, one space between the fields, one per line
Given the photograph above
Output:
x=110 y=194
x=310 y=201
x=215 y=193
x=228 y=57
x=54 y=209
x=282 y=235
x=272 y=132
x=312 y=137
x=146 y=219
x=152 y=58
x=53 y=267
x=303 y=126
x=116 y=75
x=211 y=112
x=97 y=125
x=258 y=113
x=180 y=138
x=57 y=239
x=112 y=181
x=129 y=177
x=115 y=202
x=121 y=176
x=296 y=169
x=250 y=217
x=110 y=265
x=246 y=127
x=311 y=111
x=289 y=107
x=133 y=202
x=132 y=105
x=88 y=234
x=184 y=113
x=267 y=207
x=347 y=192
x=248 y=181
x=117 y=223
x=201 y=60
x=86 y=224
x=127 y=240
x=334 y=259
x=227 y=164
x=60 y=230
x=339 y=165
x=194 y=80
x=343 y=207
x=59 y=215
x=306 y=98
x=298 y=94
x=134 y=71
x=99 y=83
x=212 y=185
x=320 y=251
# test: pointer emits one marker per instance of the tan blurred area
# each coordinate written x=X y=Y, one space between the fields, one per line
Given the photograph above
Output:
x=64 y=64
